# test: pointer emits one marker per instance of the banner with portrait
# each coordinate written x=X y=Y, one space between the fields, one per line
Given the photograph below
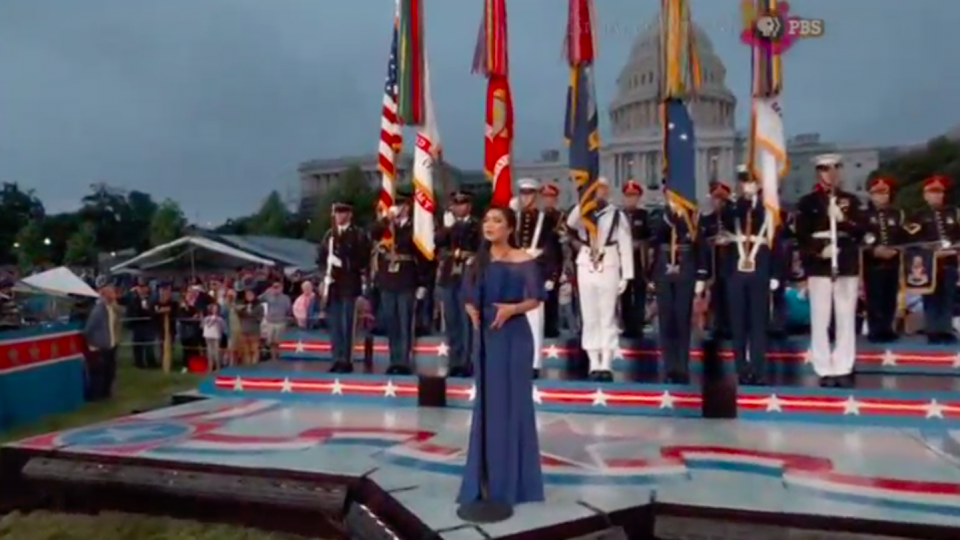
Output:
x=795 y=270
x=920 y=270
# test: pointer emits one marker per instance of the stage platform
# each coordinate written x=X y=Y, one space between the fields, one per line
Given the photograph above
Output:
x=910 y=355
x=899 y=482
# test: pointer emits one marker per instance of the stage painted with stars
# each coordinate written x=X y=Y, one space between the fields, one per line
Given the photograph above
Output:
x=592 y=463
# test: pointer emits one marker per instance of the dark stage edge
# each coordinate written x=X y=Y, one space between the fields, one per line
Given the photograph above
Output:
x=390 y=519
x=651 y=520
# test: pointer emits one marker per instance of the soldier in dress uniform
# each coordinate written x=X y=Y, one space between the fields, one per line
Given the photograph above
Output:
x=457 y=242
x=939 y=224
x=538 y=238
x=549 y=194
x=883 y=232
x=679 y=271
x=712 y=230
x=829 y=231
x=401 y=275
x=344 y=258
x=604 y=269
x=752 y=270
x=633 y=302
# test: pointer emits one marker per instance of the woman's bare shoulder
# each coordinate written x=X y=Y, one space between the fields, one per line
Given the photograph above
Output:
x=519 y=256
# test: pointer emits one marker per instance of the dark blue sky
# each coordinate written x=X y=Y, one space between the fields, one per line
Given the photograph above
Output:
x=215 y=102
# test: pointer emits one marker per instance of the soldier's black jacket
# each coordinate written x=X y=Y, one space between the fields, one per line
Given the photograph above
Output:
x=690 y=255
x=139 y=311
x=352 y=246
x=710 y=227
x=936 y=225
x=548 y=242
x=883 y=227
x=456 y=246
x=813 y=229
x=639 y=221
x=771 y=258
x=401 y=268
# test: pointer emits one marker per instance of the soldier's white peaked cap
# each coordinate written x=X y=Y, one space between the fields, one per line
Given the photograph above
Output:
x=603 y=181
x=827 y=159
x=528 y=184
x=741 y=169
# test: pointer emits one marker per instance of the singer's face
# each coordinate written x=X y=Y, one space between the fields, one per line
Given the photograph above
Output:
x=880 y=198
x=496 y=228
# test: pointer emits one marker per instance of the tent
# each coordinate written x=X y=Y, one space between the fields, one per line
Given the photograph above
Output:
x=193 y=252
x=57 y=282
x=288 y=252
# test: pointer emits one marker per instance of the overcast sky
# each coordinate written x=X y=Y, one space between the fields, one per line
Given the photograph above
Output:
x=215 y=102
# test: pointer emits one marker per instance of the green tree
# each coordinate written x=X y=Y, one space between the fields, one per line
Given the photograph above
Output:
x=137 y=215
x=167 y=224
x=59 y=228
x=910 y=169
x=352 y=187
x=17 y=208
x=82 y=246
x=273 y=217
x=30 y=245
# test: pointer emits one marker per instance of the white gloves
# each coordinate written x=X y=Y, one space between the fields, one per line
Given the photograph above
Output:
x=549 y=285
x=448 y=219
x=774 y=284
x=722 y=240
x=394 y=211
x=421 y=293
x=327 y=281
x=515 y=204
x=836 y=213
x=827 y=252
x=699 y=288
x=622 y=286
x=334 y=261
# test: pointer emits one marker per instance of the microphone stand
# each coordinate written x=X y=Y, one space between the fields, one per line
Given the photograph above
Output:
x=484 y=509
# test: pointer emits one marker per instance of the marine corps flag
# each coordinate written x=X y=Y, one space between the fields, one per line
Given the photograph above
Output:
x=425 y=168
x=490 y=58
x=581 y=125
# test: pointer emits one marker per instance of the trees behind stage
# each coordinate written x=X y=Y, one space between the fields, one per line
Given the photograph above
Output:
x=909 y=169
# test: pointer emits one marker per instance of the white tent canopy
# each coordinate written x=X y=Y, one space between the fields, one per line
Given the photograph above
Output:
x=167 y=253
x=57 y=282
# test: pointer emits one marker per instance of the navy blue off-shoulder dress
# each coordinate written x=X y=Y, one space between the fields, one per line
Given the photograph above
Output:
x=513 y=451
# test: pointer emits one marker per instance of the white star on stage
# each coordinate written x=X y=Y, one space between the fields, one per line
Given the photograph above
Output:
x=238 y=385
x=934 y=409
x=536 y=395
x=300 y=348
x=552 y=352
x=851 y=406
x=808 y=356
x=666 y=400
x=389 y=390
x=443 y=349
x=773 y=403
x=472 y=391
x=599 y=398
x=337 y=388
x=621 y=353
x=287 y=386
x=956 y=361
x=889 y=358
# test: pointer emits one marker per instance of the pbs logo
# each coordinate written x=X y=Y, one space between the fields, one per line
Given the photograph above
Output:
x=769 y=28
x=773 y=28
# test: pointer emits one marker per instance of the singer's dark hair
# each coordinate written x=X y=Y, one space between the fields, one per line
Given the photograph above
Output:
x=482 y=259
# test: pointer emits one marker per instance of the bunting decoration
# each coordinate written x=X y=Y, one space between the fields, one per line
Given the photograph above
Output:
x=410 y=99
x=581 y=124
x=768 y=145
x=391 y=135
x=680 y=79
x=491 y=59
x=426 y=166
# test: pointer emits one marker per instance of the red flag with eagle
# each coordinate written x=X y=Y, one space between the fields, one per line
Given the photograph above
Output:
x=490 y=58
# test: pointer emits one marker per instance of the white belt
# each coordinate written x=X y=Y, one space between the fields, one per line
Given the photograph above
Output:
x=825 y=235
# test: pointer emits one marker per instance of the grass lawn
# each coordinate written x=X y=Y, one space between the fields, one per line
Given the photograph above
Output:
x=135 y=390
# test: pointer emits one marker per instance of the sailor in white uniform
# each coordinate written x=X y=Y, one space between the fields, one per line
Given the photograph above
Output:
x=536 y=236
x=604 y=268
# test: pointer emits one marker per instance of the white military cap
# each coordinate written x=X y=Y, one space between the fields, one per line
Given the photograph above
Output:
x=741 y=169
x=603 y=181
x=827 y=159
x=528 y=184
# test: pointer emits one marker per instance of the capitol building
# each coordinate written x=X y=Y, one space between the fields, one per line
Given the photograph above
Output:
x=632 y=148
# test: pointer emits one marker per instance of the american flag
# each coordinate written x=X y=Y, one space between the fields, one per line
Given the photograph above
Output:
x=391 y=138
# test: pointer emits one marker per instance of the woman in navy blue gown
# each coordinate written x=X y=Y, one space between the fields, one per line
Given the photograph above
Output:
x=507 y=282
